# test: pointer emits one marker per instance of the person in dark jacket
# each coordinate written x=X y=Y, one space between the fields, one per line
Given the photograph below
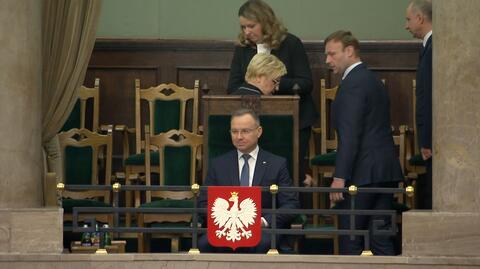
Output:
x=263 y=75
x=366 y=154
x=419 y=23
x=262 y=32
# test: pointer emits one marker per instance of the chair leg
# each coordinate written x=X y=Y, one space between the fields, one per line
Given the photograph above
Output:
x=128 y=199
x=175 y=244
x=140 y=236
x=316 y=195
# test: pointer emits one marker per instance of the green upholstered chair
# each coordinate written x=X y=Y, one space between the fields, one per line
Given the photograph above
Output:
x=323 y=163
x=80 y=158
x=166 y=110
x=77 y=117
x=177 y=166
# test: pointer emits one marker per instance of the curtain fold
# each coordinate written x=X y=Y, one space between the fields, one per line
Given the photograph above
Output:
x=68 y=36
x=68 y=32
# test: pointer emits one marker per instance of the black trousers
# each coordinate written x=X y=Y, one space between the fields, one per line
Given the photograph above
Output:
x=379 y=244
x=425 y=187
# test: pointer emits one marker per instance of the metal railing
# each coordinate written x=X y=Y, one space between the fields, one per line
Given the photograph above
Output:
x=194 y=229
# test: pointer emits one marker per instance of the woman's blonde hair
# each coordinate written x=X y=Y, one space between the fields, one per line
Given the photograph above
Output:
x=272 y=28
x=263 y=64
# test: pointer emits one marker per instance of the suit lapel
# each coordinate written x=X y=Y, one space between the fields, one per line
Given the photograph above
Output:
x=234 y=173
x=260 y=168
x=427 y=46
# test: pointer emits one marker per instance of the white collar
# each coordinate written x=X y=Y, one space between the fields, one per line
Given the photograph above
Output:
x=350 y=69
x=253 y=154
x=426 y=37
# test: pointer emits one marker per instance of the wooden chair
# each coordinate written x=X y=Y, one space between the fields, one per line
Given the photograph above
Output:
x=323 y=164
x=77 y=117
x=177 y=165
x=80 y=156
x=414 y=165
x=167 y=110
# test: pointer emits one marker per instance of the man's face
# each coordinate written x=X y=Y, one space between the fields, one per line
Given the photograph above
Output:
x=252 y=30
x=413 y=22
x=245 y=133
x=337 y=56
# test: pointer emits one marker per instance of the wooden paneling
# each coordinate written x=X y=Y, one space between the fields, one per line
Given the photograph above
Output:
x=117 y=62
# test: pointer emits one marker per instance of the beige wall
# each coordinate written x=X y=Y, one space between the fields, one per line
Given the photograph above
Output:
x=20 y=117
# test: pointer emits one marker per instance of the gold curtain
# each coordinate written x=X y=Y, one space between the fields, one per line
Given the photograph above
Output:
x=68 y=32
x=68 y=36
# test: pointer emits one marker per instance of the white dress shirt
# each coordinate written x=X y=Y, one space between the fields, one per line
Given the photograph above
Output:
x=350 y=69
x=426 y=37
x=252 y=161
x=251 y=164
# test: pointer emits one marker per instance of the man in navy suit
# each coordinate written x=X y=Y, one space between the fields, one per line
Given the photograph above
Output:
x=366 y=153
x=419 y=23
x=262 y=169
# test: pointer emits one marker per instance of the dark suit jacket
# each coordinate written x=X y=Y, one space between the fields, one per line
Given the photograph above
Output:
x=247 y=89
x=423 y=94
x=292 y=53
x=361 y=115
x=269 y=169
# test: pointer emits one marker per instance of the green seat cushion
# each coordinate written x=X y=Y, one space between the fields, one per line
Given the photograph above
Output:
x=327 y=159
x=69 y=204
x=139 y=159
x=169 y=203
x=417 y=160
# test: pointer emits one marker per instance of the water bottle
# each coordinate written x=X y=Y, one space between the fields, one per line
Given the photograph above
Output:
x=107 y=239
x=86 y=239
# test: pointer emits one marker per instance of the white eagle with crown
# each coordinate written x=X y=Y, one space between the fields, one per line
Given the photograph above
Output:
x=233 y=221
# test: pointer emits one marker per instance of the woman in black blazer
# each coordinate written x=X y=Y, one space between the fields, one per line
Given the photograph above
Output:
x=262 y=32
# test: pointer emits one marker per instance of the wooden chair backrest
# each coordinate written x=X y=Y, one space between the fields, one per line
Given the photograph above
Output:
x=165 y=92
x=172 y=138
x=86 y=138
x=326 y=98
x=84 y=94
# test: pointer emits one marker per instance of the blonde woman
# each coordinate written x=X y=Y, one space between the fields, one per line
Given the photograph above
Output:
x=263 y=75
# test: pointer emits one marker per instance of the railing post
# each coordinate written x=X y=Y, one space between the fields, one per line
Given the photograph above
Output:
x=273 y=249
x=194 y=250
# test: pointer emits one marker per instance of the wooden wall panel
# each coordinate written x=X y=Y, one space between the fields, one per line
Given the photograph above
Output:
x=117 y=62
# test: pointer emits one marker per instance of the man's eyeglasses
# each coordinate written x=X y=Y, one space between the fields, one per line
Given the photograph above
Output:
x=242 y=131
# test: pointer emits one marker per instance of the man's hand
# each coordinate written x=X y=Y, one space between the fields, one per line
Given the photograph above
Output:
x=426 y=153
x=337 y=196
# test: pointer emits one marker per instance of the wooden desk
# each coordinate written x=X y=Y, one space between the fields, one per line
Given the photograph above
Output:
x=118 y=246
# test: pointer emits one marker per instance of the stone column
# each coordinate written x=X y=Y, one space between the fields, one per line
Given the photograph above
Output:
x=24 y=225
x=452 y=229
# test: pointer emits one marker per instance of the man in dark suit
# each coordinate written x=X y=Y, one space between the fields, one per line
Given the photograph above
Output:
x=249 y=165
x=366 y=153
x=419 y=23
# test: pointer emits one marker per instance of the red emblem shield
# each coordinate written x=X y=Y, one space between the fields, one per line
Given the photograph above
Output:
x=234 y=216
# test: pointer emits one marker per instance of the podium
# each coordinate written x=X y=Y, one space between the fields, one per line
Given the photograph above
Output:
x=278 y=118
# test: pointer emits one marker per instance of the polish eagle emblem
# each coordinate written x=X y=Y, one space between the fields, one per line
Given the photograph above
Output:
x=233 y=219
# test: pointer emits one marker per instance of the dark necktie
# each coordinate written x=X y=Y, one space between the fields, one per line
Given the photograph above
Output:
x=245 y=172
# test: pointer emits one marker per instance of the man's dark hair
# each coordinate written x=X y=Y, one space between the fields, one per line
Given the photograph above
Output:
x=245 y=111
x=346 y=38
